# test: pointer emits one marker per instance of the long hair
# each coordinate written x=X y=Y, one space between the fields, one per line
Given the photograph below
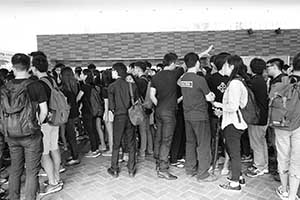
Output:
x=69 y=82
x=239 y=67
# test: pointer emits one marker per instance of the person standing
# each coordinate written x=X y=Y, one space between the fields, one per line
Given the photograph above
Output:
x=257 y=133
x=233 y=124
x=119 y=102
x=163 y=94
x=51 y=158
x=26 y=149
x=196 y=94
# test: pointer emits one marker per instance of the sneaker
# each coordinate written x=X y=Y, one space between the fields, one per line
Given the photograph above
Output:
x=62 y=169
x=126 y=157
x=225 y=172
x=228 y=187
x=242 y=180
x=246 y=159
x=181 y=160
x=102 y=148
x=94 y=154
x=42 y=173
x=266 y=171
x=283 y=195
x=60 y=182
x=107 y=154
x=72 y=162
x=49 y=189
x=255 y=173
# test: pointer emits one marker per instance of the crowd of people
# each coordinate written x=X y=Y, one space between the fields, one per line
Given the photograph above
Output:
x=197 y=116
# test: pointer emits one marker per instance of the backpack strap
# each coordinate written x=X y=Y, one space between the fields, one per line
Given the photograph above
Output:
x=45 y=80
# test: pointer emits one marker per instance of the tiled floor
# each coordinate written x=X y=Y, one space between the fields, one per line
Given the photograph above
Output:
x=90 y=181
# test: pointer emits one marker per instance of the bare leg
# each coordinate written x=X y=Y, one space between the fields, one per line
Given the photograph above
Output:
x=294 y=184
x=56 y=163
x=100 y=132
x=48 y=166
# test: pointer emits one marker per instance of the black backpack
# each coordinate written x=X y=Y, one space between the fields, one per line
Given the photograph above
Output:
x=96 y=102
x=251 y=112
x=17 y=112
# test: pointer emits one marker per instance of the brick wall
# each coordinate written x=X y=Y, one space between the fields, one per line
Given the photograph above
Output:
x=105 y=49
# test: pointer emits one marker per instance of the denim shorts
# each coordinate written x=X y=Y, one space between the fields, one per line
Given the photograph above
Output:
x=288 y=151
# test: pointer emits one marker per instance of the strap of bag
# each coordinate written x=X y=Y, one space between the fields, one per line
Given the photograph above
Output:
x=131 y=93
x=45 y=80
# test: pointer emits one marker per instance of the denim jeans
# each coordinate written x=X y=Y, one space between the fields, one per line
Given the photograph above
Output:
x=233 y=146
x=178 y=144
x=26 y=150
x=89 y=124
x=166 y=122
x=71 y=138
x=122 y=127
x=198 y=153
x=146 y=137
x=258 y=143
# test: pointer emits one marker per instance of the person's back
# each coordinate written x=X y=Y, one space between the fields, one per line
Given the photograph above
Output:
x=30 y=144
x=165 y=84
x=121 y=103
x=287 y=140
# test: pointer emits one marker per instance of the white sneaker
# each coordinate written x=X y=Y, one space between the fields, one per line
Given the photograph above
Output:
x=225 y=172
x=94 y=154
x=283 y=195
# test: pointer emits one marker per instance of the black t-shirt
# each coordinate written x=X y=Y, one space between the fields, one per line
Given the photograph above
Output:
x=165 y=83
x=217 y=84
x=87 y=89
x=71 y=98
x=47 y=88
x=36 y=91
x=142 y=84
x=259 y=87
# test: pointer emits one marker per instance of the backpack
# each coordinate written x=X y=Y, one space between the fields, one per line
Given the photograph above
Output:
x=17 y=112
x=284 y=105
x=135 y=112
x=251 y=112
x=147 y=101
x=96 y=102
x=58 y=107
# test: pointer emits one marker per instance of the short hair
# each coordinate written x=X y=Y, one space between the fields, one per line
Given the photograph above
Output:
x=141 y=65
x=37 y=53
x=257 y=66
x=121 y=69
x=160 y=65
x=78 y=70
x=191 y=59
x=131 y=65
x=169 y=58
x=148 y=64
x=212 y=59
x=220 y=60
x=59 y=65
x=40 y=63
x=23 y=60
x=91 y=66
x=277 y=61
x=296 y=62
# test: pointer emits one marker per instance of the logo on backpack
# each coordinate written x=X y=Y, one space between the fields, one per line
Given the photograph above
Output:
x=59 y=109
x=284 y=105
x=17 y=112
x=97 y=104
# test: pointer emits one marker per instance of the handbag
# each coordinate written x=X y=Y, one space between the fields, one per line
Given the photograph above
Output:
x=136 y=111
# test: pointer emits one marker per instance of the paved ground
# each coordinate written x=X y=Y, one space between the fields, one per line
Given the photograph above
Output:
x=90 y=181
